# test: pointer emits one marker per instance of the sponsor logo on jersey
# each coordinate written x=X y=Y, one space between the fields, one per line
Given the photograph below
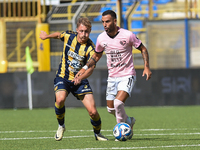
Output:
x=75 y=55
x=72 y=70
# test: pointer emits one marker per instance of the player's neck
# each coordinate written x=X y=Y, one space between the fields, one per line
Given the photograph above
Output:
x=114 y=33
x=81 y=41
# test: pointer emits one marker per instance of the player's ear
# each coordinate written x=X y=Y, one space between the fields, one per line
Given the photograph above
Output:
x=115 y=21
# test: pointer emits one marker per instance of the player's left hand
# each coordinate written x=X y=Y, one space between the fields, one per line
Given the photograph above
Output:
x=147 y=72
x=76 y=81
x=78 y=77
x=82 y=71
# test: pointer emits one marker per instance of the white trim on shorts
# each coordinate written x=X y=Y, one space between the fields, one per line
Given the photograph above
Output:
x=115 y=84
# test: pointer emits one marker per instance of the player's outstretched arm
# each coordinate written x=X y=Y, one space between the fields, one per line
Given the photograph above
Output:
x=145 y=57
x=44 y=35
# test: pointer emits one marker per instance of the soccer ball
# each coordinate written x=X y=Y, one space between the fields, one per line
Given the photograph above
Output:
x=122 y=131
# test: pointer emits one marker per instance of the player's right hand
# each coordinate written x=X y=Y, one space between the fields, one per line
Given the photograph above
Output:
x=43 y=35
x=147 y=72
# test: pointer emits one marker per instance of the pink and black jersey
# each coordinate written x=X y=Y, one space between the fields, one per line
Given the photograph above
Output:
x=118 y=52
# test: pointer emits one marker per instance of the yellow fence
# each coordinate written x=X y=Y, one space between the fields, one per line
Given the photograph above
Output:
x=23 y=10
x=19 y=18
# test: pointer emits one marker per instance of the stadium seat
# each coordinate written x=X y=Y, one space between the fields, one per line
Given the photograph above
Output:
x=154 y=8
x=98 y=18
x=136 y=24
x=156 y=1
x=144 y=2
x=162 y=1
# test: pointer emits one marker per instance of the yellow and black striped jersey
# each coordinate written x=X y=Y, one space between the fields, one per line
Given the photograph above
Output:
x=74 y=56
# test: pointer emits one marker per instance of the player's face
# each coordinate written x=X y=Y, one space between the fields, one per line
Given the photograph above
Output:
x=109 y=24
x=83 y=33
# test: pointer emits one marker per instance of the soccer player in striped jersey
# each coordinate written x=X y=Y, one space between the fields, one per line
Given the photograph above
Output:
x=117 y=43
x=77 y=50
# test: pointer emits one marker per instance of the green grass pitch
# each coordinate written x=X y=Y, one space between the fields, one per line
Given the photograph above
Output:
x=166 y=128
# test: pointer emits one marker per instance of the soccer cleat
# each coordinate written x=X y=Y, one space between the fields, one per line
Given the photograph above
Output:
x=59 y=133
x=131 y=125
x=132 y=122
x=100 y=137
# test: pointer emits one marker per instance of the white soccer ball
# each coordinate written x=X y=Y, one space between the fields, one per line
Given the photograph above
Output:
x=122 y=131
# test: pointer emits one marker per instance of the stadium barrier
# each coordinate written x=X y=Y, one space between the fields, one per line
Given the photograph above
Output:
x=43 y=48
x=166 y=88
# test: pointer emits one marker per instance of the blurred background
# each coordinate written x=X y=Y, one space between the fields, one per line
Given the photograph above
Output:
x=170 y=29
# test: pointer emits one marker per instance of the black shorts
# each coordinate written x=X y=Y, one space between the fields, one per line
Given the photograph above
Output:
x=62 y=84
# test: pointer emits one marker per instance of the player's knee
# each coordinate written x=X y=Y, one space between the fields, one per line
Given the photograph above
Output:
x=93 y=114
x=111 y=110
x=60 y=100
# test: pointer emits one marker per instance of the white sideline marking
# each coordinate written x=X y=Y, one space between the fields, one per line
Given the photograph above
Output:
x=168 y=146
x=167 y=129
x=35 y=138
x=135 y=130
x=168 y=134
x=155 y=134
x=25 y=131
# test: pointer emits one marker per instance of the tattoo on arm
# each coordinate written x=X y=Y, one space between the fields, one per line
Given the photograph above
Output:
x=91 y=62
x=145 y=57
x=94 y=60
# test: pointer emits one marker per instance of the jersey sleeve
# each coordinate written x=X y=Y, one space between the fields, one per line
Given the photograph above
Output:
x=91 y=50
x=134 y=40
x=90 y=54
x=62 y=35
x=99 y=48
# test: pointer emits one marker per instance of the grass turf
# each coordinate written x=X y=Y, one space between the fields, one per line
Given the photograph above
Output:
x=157 y=128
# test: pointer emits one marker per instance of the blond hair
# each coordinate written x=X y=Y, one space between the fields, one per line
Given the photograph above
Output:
x=84 y=21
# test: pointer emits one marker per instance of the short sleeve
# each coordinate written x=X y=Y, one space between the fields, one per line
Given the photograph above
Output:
x=99 y=48
x=90 y=50
x=134 y=40
x=62 y=35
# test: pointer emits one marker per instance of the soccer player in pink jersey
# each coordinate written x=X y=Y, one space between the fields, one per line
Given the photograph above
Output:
x=117 y=43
